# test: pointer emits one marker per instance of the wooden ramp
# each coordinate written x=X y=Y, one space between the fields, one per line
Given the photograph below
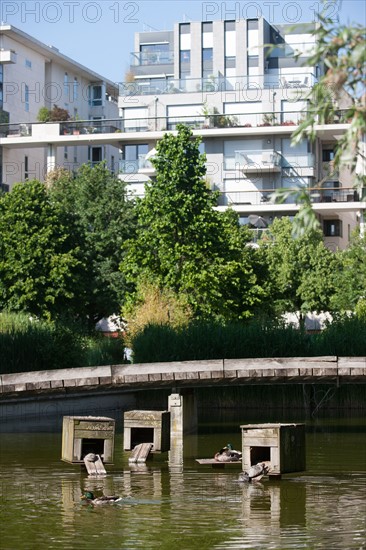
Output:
x=141 y=452
x=94 y=465
x=216 y=463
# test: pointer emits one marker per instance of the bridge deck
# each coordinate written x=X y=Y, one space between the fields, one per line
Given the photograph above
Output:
x=291 y=370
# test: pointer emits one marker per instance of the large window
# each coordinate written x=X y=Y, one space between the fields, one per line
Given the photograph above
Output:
x=332 y=228
x=151 y=54
x=184 y=114
x=134 y=157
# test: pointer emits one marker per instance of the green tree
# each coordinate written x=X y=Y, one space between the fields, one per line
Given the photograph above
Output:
x=184 y=244
x=351 y=278
x=38 y=260
x=300 y=270
x=94 y=203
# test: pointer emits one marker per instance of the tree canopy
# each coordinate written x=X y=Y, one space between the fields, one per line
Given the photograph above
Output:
x=184 y=243
x=94 y=204
x=39 y=262
x=300 y=270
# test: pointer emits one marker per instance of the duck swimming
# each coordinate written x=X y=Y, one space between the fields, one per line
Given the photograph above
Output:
x=89 y=498
x=255 y=473
x=227 y=454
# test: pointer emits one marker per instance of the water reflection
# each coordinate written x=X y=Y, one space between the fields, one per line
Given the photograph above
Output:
x=172 y=502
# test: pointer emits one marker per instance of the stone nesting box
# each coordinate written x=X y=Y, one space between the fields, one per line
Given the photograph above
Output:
x=146 y=427
x=283 y=445
x=82 y=435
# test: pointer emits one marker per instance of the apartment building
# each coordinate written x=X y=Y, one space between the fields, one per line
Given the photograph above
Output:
x=34 y=75
x=239 y=85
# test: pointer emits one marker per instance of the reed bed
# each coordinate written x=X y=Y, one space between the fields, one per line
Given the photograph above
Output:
x=28 y=344
x=205 y=340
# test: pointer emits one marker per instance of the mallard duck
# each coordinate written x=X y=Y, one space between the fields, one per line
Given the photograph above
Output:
x=89 y=498
x=227 y=454
x=255 y=473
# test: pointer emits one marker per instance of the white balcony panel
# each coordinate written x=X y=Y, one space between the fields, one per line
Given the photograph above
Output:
x=247 y=113
x=258 y=161
x=7 y=56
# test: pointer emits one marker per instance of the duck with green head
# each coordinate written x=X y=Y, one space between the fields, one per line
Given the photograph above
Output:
x=89 y=498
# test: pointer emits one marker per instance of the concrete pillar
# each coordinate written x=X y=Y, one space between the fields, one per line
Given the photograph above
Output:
x=183 y=420
x=51 y=157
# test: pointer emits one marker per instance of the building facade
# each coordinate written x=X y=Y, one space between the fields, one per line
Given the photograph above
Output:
x=34 y=75
x=240 y=86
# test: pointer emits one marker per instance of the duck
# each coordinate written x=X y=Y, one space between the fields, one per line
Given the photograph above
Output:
x=227 y=454
x=255 y=473
x=89 y=498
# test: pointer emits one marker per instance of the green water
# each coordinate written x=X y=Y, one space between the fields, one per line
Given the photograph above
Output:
x=188 y=507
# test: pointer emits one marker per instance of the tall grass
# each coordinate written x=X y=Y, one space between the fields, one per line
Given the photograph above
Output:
x=27 y=344
x=205 y=340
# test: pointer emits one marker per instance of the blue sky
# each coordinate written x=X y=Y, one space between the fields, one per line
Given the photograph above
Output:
x=100 y=34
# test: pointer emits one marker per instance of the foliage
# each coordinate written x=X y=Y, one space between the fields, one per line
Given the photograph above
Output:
x=43 y=114
x=155 y=305
x=56 y=114
x=342 y=49
x=38 y=261
x=28 y=344
x=300 y=271
x=200 y=340
x=184 y=244
x=95 y=206
x=350 y=282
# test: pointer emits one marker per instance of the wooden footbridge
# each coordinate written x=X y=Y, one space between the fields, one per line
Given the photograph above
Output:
x=225 y=372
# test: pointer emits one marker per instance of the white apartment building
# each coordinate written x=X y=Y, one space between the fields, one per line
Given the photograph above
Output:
x=244 y=99
x=34 y=75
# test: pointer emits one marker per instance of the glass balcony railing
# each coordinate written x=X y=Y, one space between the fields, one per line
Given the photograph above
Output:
x=257 y=160
x=158 y=57
x=146 y=86
x=135 y=165
x=261 y=197
x=198 y=121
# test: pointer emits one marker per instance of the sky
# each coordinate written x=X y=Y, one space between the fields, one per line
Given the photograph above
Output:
x=100 y=34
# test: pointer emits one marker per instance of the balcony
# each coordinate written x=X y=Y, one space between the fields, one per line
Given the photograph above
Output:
x=158 y=86
x=250 y=162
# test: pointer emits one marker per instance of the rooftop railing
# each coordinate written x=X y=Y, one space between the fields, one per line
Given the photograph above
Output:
x=157 y=86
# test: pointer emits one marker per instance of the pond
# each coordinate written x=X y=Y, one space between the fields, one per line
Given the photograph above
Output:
x=187 y=506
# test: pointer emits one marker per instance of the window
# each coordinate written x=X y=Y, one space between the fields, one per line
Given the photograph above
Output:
x=207 y=27
x=328 y=155
x=26 y=168
x=229 y=26
x=75 y=89
x=26 y=98
x=207 y=54
x=96 y=98
x=184 y=114
x=1 y=85
x=332 y=228
x=28 y=63
x=185 y=56
x=185 y=28
x=66 y=84
x=155 y=54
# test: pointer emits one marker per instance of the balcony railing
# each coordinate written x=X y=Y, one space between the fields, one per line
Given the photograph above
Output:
x=159 y=57
x=261 y=197
x=157 y=86
x=135 y=165
x=161 y=124
x=258 y=160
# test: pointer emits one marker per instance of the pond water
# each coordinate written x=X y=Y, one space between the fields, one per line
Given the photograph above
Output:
x=187 y=506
